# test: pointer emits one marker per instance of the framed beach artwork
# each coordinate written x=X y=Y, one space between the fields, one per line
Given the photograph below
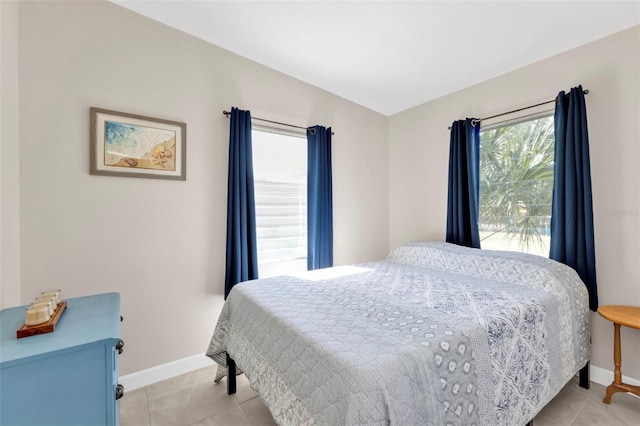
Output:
x=137 y=146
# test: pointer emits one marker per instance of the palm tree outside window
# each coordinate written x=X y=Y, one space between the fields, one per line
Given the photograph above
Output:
x=516 y=185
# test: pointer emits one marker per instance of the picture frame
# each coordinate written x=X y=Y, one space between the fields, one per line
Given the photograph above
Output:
x=132 y=145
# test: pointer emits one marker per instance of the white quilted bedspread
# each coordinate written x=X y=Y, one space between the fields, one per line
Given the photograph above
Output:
x=436 y=334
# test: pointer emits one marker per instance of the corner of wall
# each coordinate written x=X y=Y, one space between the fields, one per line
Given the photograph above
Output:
x=10 y=287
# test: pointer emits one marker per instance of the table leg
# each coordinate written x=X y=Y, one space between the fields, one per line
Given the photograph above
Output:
x=617 y=361
x=617 y=385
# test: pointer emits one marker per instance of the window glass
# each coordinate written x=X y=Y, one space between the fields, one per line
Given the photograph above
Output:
x=280 y=182
x=516 y=186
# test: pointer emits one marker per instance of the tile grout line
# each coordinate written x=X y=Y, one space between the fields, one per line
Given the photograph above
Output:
x=573 y=421
x=146 y=402
x=253 y=397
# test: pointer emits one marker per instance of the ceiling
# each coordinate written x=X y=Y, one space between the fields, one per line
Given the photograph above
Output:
x=392 y=55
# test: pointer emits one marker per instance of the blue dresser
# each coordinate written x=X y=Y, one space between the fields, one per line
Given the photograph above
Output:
x=67 y=377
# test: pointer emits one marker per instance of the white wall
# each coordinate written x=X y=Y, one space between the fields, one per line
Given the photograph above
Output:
x=610 y=70
x=9 y=158
x=161 y=243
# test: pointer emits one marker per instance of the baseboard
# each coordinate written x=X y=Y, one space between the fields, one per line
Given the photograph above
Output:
x=605 y=377
x=152 y=375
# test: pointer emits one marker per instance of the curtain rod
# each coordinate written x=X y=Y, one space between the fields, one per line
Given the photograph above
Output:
x=478 y=120
x=313 y=131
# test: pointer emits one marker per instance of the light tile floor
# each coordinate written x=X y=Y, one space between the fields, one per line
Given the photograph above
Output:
x=193 y=399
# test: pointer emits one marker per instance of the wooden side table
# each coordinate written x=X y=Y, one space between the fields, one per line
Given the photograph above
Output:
x=630 y=317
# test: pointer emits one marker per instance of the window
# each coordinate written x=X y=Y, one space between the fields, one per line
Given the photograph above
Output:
x=280 y=184
x=516 y=186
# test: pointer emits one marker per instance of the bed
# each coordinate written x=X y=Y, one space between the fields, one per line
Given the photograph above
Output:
x=435 y=334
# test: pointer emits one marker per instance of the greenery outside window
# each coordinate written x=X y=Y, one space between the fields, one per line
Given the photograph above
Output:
x=516 y=185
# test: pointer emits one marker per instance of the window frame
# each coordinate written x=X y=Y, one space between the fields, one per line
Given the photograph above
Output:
x=547 y=113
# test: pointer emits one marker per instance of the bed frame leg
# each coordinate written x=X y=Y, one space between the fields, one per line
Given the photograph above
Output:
x=231 y=376
x=530 y=423
x=585 y=382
